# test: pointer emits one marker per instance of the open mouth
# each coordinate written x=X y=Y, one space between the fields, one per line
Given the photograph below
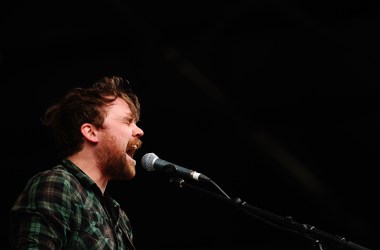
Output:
x=132 y=148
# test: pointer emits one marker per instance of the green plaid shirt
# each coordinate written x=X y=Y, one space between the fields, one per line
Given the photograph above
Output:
x=63 y=208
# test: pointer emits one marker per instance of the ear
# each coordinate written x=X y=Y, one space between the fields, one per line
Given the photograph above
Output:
x=89 y=132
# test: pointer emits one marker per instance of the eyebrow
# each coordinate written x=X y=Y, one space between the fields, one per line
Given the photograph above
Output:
x=129 y=116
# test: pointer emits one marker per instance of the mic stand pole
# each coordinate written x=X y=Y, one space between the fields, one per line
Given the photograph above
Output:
x=286 y=223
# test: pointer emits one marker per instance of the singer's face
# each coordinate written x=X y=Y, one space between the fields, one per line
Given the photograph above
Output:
x=119 y=140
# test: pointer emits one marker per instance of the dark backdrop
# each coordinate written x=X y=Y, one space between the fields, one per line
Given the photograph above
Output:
x=275 y=101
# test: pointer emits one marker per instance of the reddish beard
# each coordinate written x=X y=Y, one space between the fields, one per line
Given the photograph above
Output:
x=111 y=157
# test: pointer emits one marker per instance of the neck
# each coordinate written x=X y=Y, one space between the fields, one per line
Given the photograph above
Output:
x=88 y=164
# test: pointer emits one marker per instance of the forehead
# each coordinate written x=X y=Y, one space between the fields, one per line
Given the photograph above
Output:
x=119 y=107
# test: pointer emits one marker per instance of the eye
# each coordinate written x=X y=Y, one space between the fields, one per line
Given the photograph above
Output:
x=128 y=121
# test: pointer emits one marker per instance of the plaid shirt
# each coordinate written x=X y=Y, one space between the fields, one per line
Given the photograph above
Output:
x=63 y=208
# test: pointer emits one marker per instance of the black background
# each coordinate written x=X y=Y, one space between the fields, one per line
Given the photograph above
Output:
x=275 y=101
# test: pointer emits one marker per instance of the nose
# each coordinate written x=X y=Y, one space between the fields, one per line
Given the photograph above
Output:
x=137 y=131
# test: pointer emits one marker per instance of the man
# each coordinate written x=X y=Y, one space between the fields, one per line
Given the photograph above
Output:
x=67 y=207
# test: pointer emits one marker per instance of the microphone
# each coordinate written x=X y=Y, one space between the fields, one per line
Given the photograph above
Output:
x=151 y=162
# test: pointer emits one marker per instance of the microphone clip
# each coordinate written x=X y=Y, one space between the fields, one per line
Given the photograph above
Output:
x=178 y=181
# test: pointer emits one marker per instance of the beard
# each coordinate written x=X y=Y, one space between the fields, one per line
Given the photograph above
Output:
x=111 y=157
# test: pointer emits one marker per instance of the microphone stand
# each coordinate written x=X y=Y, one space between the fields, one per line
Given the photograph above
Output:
x=285 y=223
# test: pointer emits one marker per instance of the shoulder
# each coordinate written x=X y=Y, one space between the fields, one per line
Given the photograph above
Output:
x=56 y=176
x=50 y=184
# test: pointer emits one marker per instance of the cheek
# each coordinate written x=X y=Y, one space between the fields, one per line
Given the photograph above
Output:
x=122 y=135
x=128 y=132
x=121 y=132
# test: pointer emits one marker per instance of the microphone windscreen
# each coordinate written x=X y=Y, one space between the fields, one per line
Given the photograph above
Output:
x=148 y=160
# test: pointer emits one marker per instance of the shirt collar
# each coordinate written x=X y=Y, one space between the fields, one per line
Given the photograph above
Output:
x=86 y=181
